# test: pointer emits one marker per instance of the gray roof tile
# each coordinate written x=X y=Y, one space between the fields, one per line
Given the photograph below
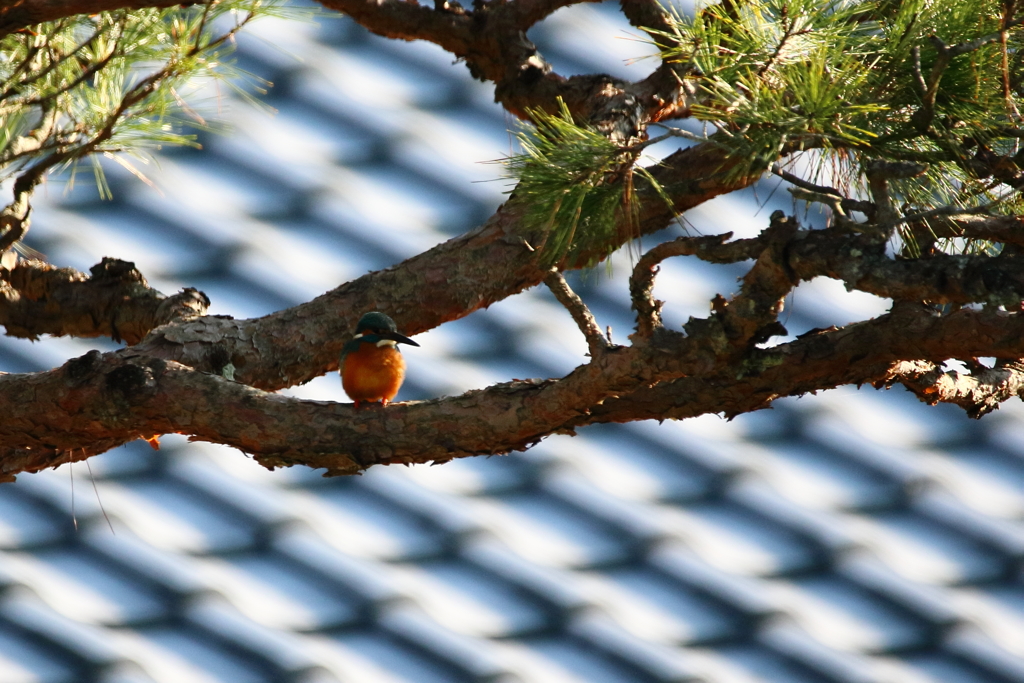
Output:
x=560 y=659
x=467 y=600
x=377 y=656
x=1000 y=535
x=363 y=577
x=738 y=539
x=172 y=571
x=83 y=644
x=25 y=523
x=173 y=516
x=650 y=660
x=545 y=530
x=22 y=660
x=84 y=587
x=929 y=602
x=742 y=593
x=655 y=608
x=998 y=610
x=818 y=478
x=795 y=644
x=751 y=664
x=842 y=616
x=930 y=668
x=976 y=647
x=362 y=523
x=926 y=551
x=554 y=586
x=632 y=468
x=984 y=479
x=473 y=657
x=170 y=653
x=277 y=593
x=221 y=624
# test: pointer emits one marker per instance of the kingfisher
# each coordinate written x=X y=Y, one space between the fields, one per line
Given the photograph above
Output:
x=372 y=368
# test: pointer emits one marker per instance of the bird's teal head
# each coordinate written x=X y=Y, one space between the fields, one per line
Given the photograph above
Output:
x=375 y=327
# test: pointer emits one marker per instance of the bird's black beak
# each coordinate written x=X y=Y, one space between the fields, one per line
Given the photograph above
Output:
x=400 y=338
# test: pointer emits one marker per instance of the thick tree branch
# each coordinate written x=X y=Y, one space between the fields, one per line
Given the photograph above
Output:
x=101 y=400
x=491 y=40
x=174 y=379
x=529 y=12
x=752 y=316
x=711 y=248
x=861 y=353
x=115 y=397
x=37 y=298
x=860 y=262
x=978 y=394
x=1004 y=229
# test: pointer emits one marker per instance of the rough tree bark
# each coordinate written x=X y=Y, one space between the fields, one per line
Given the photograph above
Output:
x=209 y=377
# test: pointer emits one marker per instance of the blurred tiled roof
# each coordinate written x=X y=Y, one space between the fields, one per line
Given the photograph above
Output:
x=852 y=536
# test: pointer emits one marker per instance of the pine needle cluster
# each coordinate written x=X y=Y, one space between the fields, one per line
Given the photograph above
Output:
x=578 y=187
x=936 y=82
x=116 y=83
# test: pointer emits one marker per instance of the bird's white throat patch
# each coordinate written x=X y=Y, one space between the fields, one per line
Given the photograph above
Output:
x=387 y=342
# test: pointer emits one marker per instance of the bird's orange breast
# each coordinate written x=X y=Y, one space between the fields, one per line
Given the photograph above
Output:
x=373 y=373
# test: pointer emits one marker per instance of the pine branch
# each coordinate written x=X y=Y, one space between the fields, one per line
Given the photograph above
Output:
x=581 y=315
x=978 y=394
x=861 y=353
x=102 y=400
x=116 y=301
x=83 y=107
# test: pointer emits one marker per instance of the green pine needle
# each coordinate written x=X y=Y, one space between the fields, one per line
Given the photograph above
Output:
x=119 y=82
x=577 y=188
x=849 y=78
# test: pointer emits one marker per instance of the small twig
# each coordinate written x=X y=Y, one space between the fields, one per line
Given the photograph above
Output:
x=14 y=229
x=1008 y=9
x=945 y=211
x=641 y=287
x=14 y=219
x=828 y=199
x=578 y=310
x=71 y=474
x=800 y=182
x=97 y=492
x=822 y=194
x=711 y=248
x=670 y=133
x=751 y=316
x=789 y=33
x=971 y=45
x=946 y=54
x=1005 y=229
x=878 y=174
x=918 y=76
x=978 y=393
